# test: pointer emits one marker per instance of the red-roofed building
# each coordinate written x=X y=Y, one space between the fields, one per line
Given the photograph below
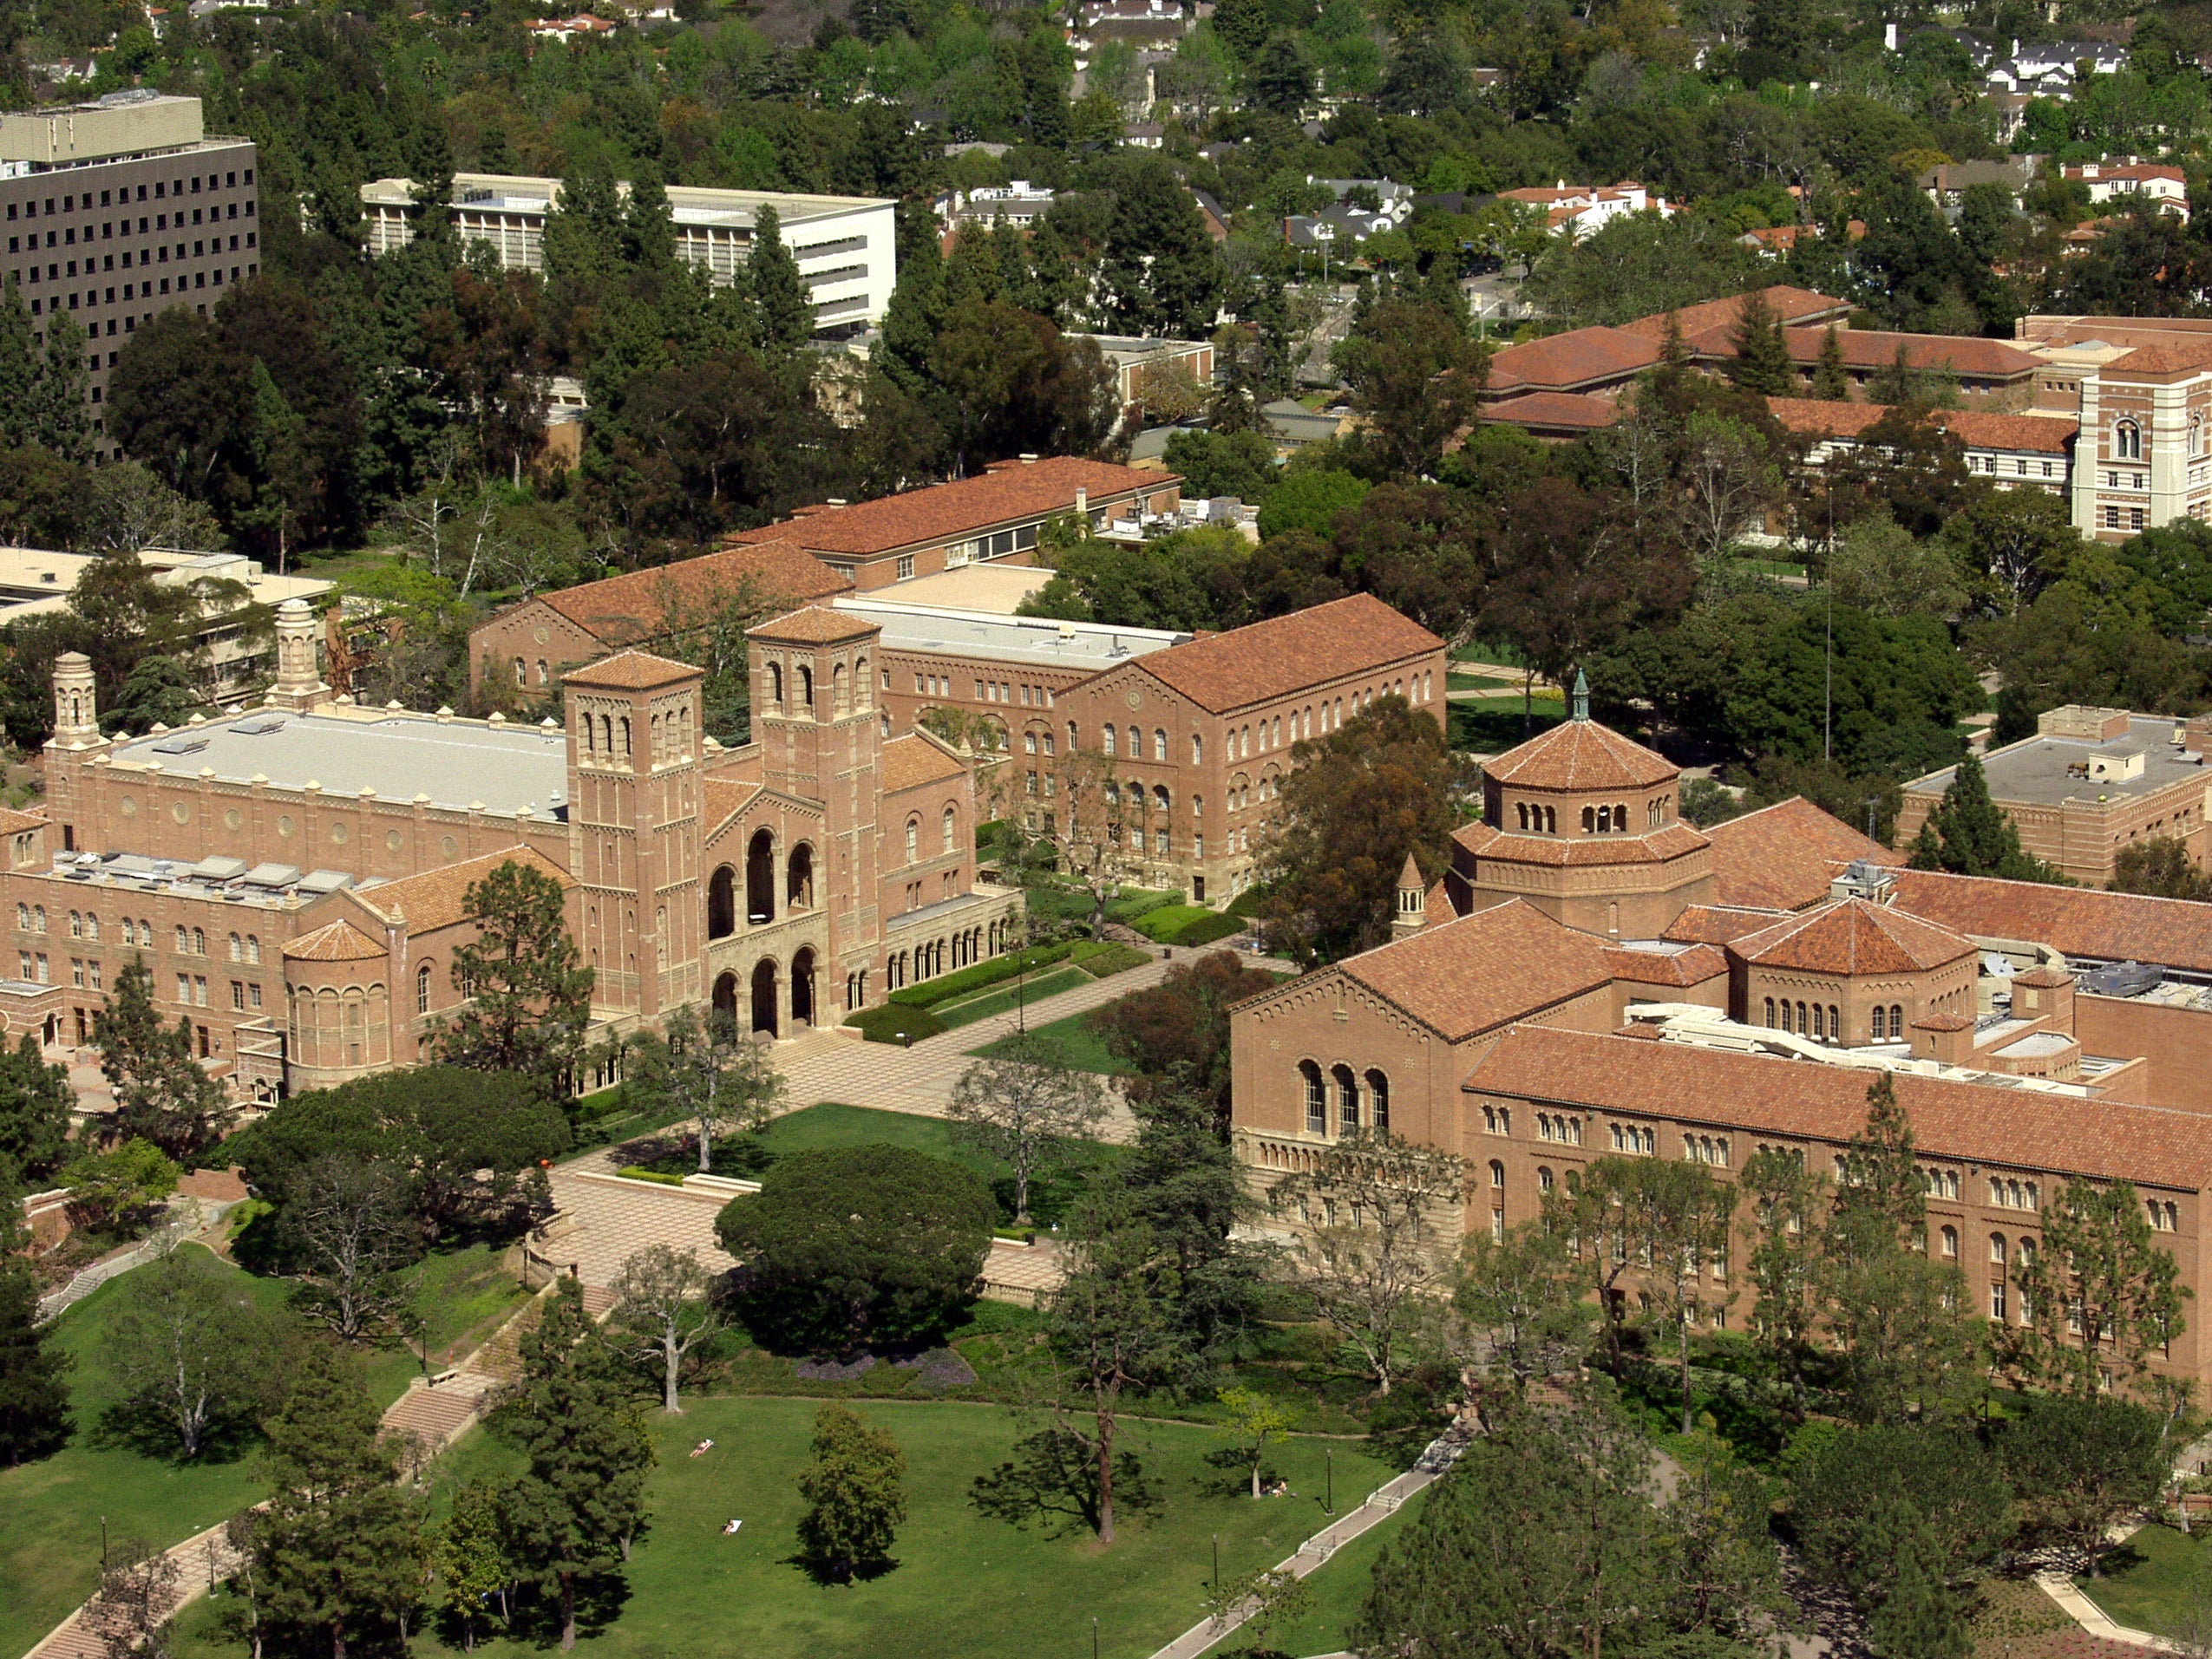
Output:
x=2011 y=451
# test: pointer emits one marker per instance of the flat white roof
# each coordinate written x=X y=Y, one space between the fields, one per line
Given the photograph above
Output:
x=989 y=637
x=687 y=203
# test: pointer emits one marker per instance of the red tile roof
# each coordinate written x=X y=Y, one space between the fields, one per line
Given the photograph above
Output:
x=1580 y=851
x=915 y=760
x=1009 y=492
x=1482 y=971
x=1284 y=655
x=1790 y=306
x=634 y=609
x=1783 y=857
x=1853 y=937
x=1870 y=349
x=438 y=897
x=722 y=799
x=14 y=823
x=1814 y=417
x=334 y=942
x=2083 y=922
x=814 y=625
x=1680 y=968
x=1579 y=755
x=1976 y=429
x=631 y=671
x=2179 y=358
x=1759 y=1094
x=1574 y=411
x=1715 y=925
x=1573 y=361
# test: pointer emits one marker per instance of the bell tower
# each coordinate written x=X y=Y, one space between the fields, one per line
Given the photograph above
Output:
x=634 y=752
x=300 y=685
x=76 y=707
x=819 y=728
x=1411 y=914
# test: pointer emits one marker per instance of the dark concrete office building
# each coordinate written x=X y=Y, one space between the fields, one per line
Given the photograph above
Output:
x=112 y=211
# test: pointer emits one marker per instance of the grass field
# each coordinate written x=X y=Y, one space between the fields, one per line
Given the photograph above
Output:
x=965 y=1586
x=2150 y=1580
x=50 y=1510
x=1078 y=1039
x=1490 y=727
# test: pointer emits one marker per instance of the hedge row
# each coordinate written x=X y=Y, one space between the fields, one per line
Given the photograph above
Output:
x=944 y=987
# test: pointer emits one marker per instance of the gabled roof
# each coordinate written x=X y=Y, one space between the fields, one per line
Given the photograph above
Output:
x=814 y=625
x=1555 y=411
x=1871 y=348
x=1976 y=429
x=1009 y=491
x=1571 y=361
x=2084 y=922
x=334 y=942
x=1853 y=937
x=915 y=760
x=1717 y=924
x=437 y=898
x=1789 y=306
x=631 y=671
x=722 y=799
x=1679 y=968
x=1481 y=972
x=642 y=605
x=14 y=823
x=1991 y=1124
x=1581 y=754
x=2180 y=357
x=1286 y=654
x=1783 y=857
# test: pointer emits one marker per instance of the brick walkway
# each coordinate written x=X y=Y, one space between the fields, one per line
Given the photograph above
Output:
x=608 y=1220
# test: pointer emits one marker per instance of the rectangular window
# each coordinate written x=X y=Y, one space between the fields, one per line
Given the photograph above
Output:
x=905 y=567
x=95 y=977
x=199 y=990
x=237 y=995
x=44 y=977
x=254 y=996
x=76 y=971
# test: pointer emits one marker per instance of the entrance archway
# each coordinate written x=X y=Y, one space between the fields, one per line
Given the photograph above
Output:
x=760 y=878
x=722 y=904
x=725 y=995
x=802 y=987
x=764 y=996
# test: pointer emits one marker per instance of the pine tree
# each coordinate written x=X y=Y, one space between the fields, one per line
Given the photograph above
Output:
x=573 y=1512
x=1761 y=362
x=1830 y=382
x=1968 y=834
x=855 y=1492
x=162 y=1094
x=1880 y=1198
x=1920 y=1618
x=648 y=231
x=58 y=393
x=34 y=1385
x=530 y=995
x=787 y=311
x=339 y=1554
x=18 y=369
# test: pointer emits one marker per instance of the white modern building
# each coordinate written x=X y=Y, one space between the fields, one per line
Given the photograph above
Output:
x=846 y=246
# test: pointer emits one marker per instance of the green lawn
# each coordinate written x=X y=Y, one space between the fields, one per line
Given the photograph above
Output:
x=1490 y=727
x=2149 y=1580
x=1339 y=1594
x=965 y=1586
x=1000 y=999
x=50 y=1511
x=1078 y=1039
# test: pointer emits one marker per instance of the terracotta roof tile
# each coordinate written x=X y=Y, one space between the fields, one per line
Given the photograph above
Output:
x=1853 y=937
x=2083 y=922
x=722 y=799
x=1480 y=971
x=1872 y=349
x=1976 y=429
x=1945 y=1023
x=642 y=605
x=1580 y=851
x=1570 y=362
x=16 y=823
x=1009 y=491
x=814 y=625
x=916 y=759
x=1790 y=306
x=1680 y=967
x=1581 y=754
x=2178 y=358
x=2014 y=1127
x=1576 y=410
x=1286 y=654
x=1715 y=925
x=437 y=898
x=1437 y=908
x=336 y=942
x=631 y=671
x=1782 y=857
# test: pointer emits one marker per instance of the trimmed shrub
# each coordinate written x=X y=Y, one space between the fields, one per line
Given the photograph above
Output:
x=1206 y=929
x=852 y=1247
x=1162 y=924
x=945 y=987
x=640 y=1172
x=1111 y=959
x=886 y=1021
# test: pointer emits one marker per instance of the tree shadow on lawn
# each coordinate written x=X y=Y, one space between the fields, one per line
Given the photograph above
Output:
x=1052 y=1483
x=599 y=1602
x=142 y=1427
x=825 y=1573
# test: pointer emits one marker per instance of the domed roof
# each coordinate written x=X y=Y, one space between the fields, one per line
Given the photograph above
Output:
x=1579 y=756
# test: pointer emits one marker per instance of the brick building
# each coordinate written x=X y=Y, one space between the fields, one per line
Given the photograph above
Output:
x=2089 y=782
x=118 y=210
x=294 y=875
x=1570 y=991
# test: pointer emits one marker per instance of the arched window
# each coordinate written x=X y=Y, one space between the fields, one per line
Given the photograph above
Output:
x=253 y=949
x=1107 y=739
x=238 y=948
x=950 y=826
x=1951 y=1243
x=1770 y=1014
x=1896 y=1022
x=92 y=925
x=2127 y=441
x=1347 y=1099
x=863 y=687
x=914 y=840
x=1197 y=748
x=1589 y=820
x=1159 y=800
x=626 y=734
x=839 y=697
x=182 y=937
x=1317 y=1098
x=1379 y=1102
x=1159 y=744
x=775 y=684
x=806 y=685
x=423 y=988
x=1880 y=1022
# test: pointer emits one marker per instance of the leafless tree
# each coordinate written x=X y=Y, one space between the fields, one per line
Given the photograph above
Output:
x=130 y=1613
x=1731 y=480
x=705 y=1067
x=1092 y=823
x=662 y=1301
x=1025 y=1106
x=349 y=1218
x=129 y=509
x=1374 y=1237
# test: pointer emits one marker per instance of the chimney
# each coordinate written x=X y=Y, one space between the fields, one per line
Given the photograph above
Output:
x=1082 y=502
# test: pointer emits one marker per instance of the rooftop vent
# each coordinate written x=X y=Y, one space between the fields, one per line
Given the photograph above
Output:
x=182 y=743
x=2123 y=979
x=259 y=727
